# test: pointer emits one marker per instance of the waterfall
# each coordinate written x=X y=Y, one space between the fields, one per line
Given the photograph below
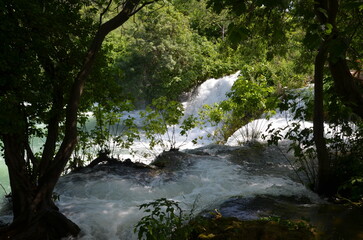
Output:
x=210 y=92
x=257 y=128
x=105 y=204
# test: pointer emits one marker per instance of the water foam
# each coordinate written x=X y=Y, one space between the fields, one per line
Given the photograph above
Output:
x=107 y=207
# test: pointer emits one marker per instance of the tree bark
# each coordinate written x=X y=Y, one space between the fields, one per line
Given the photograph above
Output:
x=47 y=224
x=324 y=173
x=347 y=87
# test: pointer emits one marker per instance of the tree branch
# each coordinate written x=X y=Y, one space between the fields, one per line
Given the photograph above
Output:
x=143 y=5
x=51 y=176
x=104 y=12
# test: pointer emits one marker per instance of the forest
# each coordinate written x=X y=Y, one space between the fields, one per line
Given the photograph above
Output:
x=93 y=80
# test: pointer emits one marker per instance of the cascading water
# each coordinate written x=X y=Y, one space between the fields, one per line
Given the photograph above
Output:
x=106 y=206
x=104 y=203
x=210 y=92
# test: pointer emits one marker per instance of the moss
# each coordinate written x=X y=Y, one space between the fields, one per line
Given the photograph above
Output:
x=232 y=228
x=171 y=160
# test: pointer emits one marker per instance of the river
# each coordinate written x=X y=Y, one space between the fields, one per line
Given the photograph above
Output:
x=248 y=182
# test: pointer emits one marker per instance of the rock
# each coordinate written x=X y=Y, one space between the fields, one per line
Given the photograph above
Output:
x=213 y=150
x=253 y=208
x=172 y=160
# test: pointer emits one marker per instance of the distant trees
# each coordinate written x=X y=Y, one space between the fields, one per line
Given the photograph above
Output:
x=168 y=50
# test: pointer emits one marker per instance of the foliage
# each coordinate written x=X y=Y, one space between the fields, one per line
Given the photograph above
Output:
x=166 y=57
x=291 y=225
x=109 y=128
x=302 y=146
x=164 y=121
x=41 y=52
x=50 y=58
x=250 y=97
x=353 y=190
x=331 y=28
x=343 y=135
x=232 y=228
x=298 y=104
x=164 y=219
x=206 y=23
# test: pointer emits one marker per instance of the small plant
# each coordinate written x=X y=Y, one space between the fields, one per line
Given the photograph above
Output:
x=290 y=224
x=353 y=189
x=163 y=121
x=112 y=131
x=164 y=221
x=250 y=132
x=302 y=146
x=343 y=136
x=250 y=98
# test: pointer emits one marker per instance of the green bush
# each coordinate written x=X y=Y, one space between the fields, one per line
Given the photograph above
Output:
x=161 y=121
x=164 y=220
x=250 y=98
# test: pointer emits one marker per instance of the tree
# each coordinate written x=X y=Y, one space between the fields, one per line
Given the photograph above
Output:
x=165 y=56
x=45 y=62
x=333 y=49
x=331 y=32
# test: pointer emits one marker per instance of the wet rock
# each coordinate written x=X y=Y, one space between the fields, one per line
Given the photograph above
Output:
x=105 y=163
x=213 y=150
x=105 y=159
x=252 y=208
x=172 y=160
x=331 y=221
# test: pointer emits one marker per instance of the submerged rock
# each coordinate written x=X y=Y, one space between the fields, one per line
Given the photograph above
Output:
x=253 y=208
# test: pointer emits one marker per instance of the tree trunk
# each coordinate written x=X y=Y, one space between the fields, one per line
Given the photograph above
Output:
x=324 y=186
x=35 y=215
x=346 y=86
x=47 y=223
x=31 y=221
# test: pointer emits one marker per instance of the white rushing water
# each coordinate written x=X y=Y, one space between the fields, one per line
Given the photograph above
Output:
x=210 y=92
x=105 y=204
